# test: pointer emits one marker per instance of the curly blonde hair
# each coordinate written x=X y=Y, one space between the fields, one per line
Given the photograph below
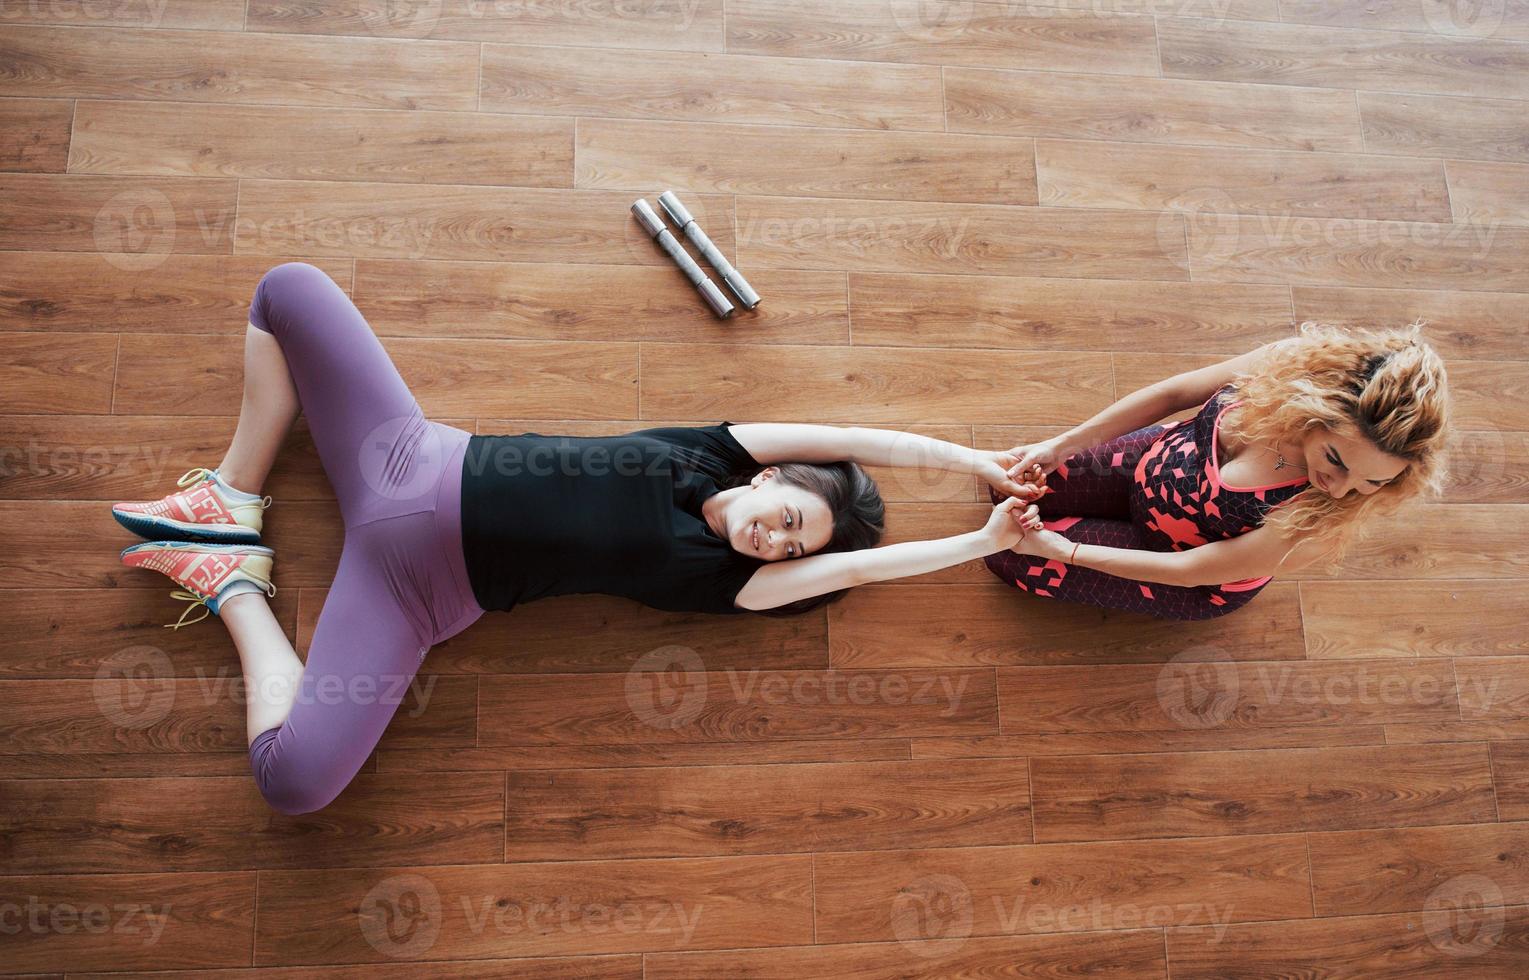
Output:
x=1387 y=386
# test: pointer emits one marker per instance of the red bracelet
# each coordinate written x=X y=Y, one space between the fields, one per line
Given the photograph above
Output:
x=1074 y=559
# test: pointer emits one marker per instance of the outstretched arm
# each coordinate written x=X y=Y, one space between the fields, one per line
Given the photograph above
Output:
x=1255 y=554
x=793 y=442
x=802 y=578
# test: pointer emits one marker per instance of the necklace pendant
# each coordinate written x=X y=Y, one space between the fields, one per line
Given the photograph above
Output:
x=1279 y=462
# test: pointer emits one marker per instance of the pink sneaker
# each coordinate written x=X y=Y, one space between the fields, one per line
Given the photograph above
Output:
x=207 y=510
x=209 y=573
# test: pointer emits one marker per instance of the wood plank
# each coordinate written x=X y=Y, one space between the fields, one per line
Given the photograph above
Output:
x=151 y=921
x=627 y=967
x=548 y=909
x=963 y=239
x=727 y=159
x=1377 y=61
x=779 y=809
x=36 y=133
x=56 y=373
x=1371 y=871
x=451 y=378
x=86 y=633
x=133 y=457
x=870 y=386
x=207 y=15
x=124 y=765
x=992 y=624
x=186 y=139
x=1137 y=955
x=1015 y=313
x=636 y=755
x=1457 y=937
x=1126 y=743
x=481 y=224
x=1493 y=689
x=1489 y=193
x=1218 y=693
x=1350 y=252
x=1432 y=126
x=1131 y=175
x=1423 y=619
x=599 y=634
x=974 y=35
x=1457 y=731
x=88 y=292
x=1149 y=110
x=1210 y=793
x=1465 y=325
x=132 y=221
x=218 y=66
x=222 y=823
x=692 y=26
x=710 y=87
x=689 y=705
x=1506 y=20
x=875 y=897
x=565 y=301
x=1510 y=777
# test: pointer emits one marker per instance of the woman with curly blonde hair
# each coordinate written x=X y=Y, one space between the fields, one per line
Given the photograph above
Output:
x=1295 y=445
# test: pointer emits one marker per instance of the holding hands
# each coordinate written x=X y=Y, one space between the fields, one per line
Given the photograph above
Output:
x=1010 y=522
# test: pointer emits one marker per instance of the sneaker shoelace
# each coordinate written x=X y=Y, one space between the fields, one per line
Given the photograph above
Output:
x=199 y=473
x=193 y=600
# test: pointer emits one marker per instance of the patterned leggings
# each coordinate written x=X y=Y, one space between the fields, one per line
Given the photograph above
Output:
x=1090 y=502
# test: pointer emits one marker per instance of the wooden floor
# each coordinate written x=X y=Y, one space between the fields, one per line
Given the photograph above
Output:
x=980 y=221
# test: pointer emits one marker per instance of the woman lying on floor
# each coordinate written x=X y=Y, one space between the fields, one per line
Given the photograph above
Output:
x=1295 y=444
x=441 y=525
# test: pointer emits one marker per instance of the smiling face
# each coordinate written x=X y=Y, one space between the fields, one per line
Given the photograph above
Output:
x=1339 y=463
x=775 y=520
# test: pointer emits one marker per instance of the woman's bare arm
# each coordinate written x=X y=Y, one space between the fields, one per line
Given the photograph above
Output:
x=778 y=583
x=1149 y=405
x=793 y=442
x=1260 y=552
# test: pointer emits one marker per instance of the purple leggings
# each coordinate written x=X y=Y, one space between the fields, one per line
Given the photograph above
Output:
x=402 y=583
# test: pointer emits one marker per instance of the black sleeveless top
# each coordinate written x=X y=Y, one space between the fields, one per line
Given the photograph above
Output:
x=618 y=515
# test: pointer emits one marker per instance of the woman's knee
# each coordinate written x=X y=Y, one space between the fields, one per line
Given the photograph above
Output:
x=286 y=294
x=287 y=787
